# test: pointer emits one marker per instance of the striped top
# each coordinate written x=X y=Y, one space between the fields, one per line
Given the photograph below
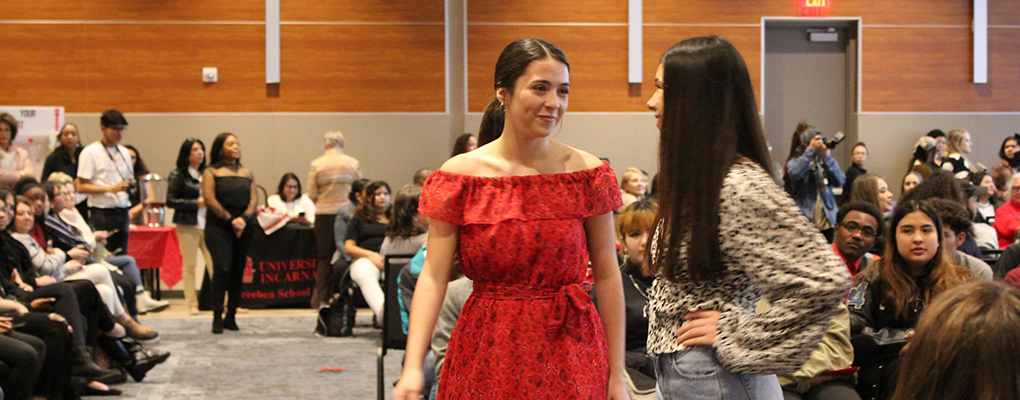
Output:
x=329 y=180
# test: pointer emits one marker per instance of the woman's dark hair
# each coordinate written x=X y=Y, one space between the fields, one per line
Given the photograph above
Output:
x=50 y=188
x=367 y=209
x=710 y=121
x=283 y=182
x=11 y=122
x=941 y=184
x=512 y=62
x=184 y=156
x=901 y=287
x=405 y=208
x=357 y=187
x=936 y=133
x=216 y=152
x=1015 y=161
x=25 y=184
x=460 y=146
x=802 y=135
x=965 y=346
x=61 y=131
x=4 y=192
x=139 y=167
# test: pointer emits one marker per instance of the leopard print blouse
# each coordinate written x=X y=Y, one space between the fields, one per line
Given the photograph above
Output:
x=769 y=249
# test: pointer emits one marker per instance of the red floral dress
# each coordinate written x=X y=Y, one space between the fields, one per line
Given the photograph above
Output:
x=529 y=330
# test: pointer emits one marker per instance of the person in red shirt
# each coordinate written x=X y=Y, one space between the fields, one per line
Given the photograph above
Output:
x=1006 y=216
x=857 y=227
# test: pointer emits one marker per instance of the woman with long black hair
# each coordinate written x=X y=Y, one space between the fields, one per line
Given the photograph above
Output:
x=229 y=193
x=184 y=195
x=727 y=235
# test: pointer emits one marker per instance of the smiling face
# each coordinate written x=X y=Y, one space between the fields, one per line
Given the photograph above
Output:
x=988 y=182
x=197 y=155
x=885 y=197
x=917 y=240
x=655 y=102
x=38 y=196
x=60 y=198
x=539 y=98
x=636 y=185
x=24 y=218
x=290 y=190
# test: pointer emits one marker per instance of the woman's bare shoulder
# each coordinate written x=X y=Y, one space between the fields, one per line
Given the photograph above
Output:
x=575 y=159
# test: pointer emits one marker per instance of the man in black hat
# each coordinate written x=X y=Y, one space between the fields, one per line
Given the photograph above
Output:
x=105 y=174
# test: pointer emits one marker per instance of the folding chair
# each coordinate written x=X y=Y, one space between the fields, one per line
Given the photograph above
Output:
x=392 y=336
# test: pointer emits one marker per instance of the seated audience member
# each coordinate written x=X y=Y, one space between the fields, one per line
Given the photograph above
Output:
x=289 y=198
x=1007 y=216
x=420 y=176
x=457 y=293
x=1008 y=152
x=31 y=189
x=891 y=293
x=965 y=347
x=940 y=149
x=14 y=163
x=341 y=261
x=942 y=185
x=859 y=157
x=872 y=188
x=1008 y=261
x=632 y=186
x=958 y=145
x=23 y=356
x=987 y=201
x=858 y=226
x=910 y=181
x=61 y=266
x=1001 y=175
x=634 y=229
x=364 y=239
x=811 y=174
x=924 y=154
x=465 y=143
x=68 y=237
x=956 y=226
x=405 y=234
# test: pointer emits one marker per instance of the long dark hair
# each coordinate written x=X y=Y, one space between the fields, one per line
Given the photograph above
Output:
x=139 y=166
x=1015 y=161
x=512 y=62
x=405 y=208
x=184 y=156
x=460 y=146
x=283 y=182
x=710 y=120
x=901 y=288
x=216 y=152
x=356 y=187
x=367 y=209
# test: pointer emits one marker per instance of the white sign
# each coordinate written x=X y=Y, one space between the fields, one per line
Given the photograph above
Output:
x=37 y=131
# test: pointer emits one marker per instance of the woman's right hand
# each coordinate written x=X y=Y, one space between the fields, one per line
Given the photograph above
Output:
x=238 y=224
x=78 y=253
x=376 y=259
x=410 y=384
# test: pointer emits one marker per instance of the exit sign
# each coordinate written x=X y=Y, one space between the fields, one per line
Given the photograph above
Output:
x=814 y=8
x=816 y=3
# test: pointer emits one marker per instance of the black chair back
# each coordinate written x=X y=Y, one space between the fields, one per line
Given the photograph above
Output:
x=392 y=336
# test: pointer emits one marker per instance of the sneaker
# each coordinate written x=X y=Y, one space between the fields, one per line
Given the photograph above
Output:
x=147 y=304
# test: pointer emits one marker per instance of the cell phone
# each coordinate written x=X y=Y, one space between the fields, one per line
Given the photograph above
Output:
x=840 y=372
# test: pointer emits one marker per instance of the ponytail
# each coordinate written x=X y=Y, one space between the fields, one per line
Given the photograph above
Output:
x=492 y=123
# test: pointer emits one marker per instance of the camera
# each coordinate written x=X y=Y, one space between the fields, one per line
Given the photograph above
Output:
x=132 y=188
x=836 y=139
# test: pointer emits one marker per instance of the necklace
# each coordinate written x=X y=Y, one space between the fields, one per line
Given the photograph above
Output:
x=643 y=291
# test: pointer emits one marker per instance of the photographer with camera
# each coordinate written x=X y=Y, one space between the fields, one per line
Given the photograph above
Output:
x=811 y=173
x=106 y=175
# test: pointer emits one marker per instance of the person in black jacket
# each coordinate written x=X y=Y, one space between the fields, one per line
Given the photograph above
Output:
x=893 y=291
x=184 y=196
x=859 y=157
x=634 y=229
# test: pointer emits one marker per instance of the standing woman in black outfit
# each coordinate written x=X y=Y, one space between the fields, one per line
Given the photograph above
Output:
x=229 y=193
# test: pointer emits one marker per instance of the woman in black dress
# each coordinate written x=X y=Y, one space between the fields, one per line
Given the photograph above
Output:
x=229 y=193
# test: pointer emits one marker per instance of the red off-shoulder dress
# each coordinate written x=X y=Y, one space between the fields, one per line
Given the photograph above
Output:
x=529 y=329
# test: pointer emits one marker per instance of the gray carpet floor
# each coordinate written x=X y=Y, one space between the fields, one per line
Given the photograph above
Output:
x=269 y=358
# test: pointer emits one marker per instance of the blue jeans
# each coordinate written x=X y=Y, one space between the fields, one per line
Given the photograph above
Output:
x=695 y=374
x=129 y=267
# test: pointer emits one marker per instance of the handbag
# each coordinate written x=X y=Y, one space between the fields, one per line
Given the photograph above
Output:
x=336 y=317
x=269 y=218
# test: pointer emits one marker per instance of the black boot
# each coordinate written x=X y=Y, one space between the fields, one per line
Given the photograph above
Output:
x=217 y=322
x=229 y=323
x=85 y=366
x=130 y=355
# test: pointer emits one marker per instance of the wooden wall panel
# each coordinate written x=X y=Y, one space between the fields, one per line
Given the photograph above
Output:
x=573 y=11
x=598 y=68
x=932 y=71
x=368 y=68
x=914 y=12
x=136 y=10
x=360 y=10
x=1004 y=12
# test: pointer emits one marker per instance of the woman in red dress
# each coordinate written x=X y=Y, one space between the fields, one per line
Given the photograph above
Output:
x=525 y=214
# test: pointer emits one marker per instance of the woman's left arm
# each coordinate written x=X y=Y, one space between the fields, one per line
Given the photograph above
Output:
x=609 y=289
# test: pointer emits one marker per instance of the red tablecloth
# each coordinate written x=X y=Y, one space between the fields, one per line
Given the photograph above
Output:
x=157 y=248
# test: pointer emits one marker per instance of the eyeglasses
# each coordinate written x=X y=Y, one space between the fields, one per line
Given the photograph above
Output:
x=866 y=231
